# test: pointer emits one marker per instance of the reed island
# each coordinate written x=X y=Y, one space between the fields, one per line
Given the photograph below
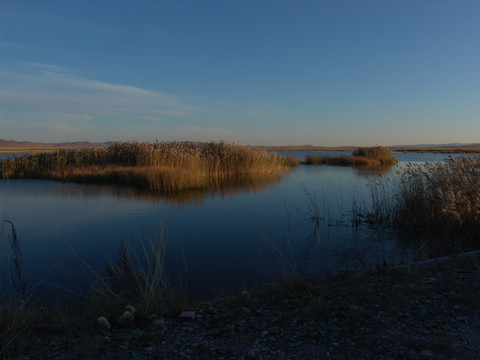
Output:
x=161 y=166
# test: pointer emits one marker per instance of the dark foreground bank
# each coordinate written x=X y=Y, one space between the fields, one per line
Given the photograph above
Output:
x=429 y=311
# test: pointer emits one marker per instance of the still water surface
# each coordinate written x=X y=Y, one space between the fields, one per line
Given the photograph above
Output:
x=215 y=240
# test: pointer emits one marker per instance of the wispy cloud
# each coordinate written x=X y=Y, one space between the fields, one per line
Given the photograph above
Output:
x=16 y=46
x=66 y=97
x=48 y=100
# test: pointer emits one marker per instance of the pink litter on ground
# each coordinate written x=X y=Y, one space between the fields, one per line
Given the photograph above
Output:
x=188 y=315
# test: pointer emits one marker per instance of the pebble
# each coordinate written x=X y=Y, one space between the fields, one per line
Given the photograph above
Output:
x=244 y=311
x=427 y=353
x=103 y=322
x=126 y=317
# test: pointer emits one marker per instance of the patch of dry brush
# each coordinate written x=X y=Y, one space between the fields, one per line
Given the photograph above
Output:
x=160 y=166
x=368 y=157
x=442 y=196
x=436 y=205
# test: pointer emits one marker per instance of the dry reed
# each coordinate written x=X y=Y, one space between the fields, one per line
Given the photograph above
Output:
x=436 y=203
x=161 y=166
x=441 y=196
x=368 y=157
x=15 y=311
x=140 y=277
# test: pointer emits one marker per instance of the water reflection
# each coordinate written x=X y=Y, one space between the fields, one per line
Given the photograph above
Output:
x=369 y=171
x=306 y=213
x=246 y=185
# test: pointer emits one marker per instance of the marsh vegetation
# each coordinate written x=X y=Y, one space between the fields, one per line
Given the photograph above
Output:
x=363 y=157
x=436 y=203
x=16 y=314
x=161 y=166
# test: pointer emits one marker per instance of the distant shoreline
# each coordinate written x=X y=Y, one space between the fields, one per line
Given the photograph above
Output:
x=18 y=147
x=446 y=149
x=21 y=147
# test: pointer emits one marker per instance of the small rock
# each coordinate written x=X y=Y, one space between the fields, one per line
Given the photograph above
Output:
x=244 y=311
x=426 y=353
x=212 y=310
x=126 y=317
x=252 y=354
x=189 y=329
x=131 y=308
x=160 y=323
x=149 y=349
x=103 y=322
x=246 y=295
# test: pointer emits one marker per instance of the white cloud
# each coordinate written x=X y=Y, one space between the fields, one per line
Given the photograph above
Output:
x=16 y=46
x=51 y=88
x=51 y=103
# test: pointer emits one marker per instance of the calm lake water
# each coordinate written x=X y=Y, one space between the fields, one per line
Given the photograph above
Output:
x=216 y=241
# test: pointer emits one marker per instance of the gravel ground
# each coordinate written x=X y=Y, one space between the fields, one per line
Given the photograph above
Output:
x=428 y=311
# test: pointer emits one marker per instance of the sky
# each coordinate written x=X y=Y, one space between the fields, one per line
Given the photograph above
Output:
x=327 y=73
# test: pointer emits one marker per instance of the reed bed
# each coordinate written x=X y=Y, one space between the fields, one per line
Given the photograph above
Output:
x=442 y=196
x=378 y=153
x=161 y=166
x=368 y=157
x=436 y=203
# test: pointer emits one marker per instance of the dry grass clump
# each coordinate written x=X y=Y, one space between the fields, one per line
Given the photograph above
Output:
x=138 y=277
x=16 y=316
x=380 y=154
x=368 y=157
x=160 y=166
x=435 y=205
x=442 y=197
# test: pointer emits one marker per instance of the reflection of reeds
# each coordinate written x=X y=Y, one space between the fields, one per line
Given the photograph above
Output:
x=251 y=184
x=166 y=167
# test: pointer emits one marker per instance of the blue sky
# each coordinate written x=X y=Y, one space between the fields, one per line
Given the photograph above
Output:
x=259 y=72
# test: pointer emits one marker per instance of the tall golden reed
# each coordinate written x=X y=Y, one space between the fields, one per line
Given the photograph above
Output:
x=368 y=157
x=160 y=166
x=436 y=203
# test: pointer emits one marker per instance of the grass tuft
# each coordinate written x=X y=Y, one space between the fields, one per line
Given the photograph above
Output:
x=16 y=318
x=16 y=315
x=139 y=277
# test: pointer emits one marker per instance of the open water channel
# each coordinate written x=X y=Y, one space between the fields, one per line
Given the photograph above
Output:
x=215 y=241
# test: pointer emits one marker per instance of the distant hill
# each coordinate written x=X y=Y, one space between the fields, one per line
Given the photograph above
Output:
x=441 y=145
x=11 y=146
